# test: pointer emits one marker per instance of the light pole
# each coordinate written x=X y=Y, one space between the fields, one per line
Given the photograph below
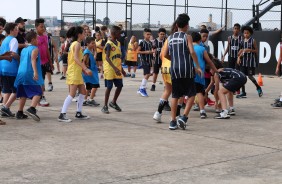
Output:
x=37 y=9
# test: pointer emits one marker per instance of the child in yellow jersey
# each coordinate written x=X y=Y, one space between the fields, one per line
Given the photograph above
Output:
x=112 y=69
x=165 y=70
x=131 y=56
x=74 y=74
x=100 y=44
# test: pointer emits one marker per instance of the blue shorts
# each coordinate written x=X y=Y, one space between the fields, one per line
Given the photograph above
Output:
x=7 y=84
x=29 y=91
x=109 y=83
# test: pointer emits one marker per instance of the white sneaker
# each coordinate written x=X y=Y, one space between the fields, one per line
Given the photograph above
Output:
x=222 y=115
x=157 y=116
x=43 y=102
x=50 y=87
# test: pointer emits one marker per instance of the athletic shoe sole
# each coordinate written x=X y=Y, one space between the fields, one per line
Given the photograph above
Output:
x=64 y=120
x=172 y=128
x=84 y=118
x=181 y=123
x=34 y=117
x=228 y=117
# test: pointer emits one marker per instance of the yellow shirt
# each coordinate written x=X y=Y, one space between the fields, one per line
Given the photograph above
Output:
x=131 y=54
x=165 y=69
x=115 y=57
x=99 y=43
x=74 y=72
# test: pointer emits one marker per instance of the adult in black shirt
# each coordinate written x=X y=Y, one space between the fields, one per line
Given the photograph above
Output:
x=122 y=40
x=21 y=35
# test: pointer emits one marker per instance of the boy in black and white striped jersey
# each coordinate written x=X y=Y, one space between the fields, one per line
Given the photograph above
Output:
x=233 y=47
x=180 y=50
x=247 y=59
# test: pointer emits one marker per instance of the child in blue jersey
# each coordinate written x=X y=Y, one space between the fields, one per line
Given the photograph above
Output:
x=9 y=69
x=29 y=78
x=92 y=81
x=203 y=58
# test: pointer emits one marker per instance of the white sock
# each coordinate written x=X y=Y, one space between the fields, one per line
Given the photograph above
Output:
x=202 y=111
x=143 y=84
x=80 y=100
x=231 y=108
x=67 y=103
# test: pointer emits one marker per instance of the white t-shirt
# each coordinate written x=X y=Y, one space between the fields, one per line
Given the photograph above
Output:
x=14 y=45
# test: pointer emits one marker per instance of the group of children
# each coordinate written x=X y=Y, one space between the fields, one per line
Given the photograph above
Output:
x=184 y=64
x=181 y=58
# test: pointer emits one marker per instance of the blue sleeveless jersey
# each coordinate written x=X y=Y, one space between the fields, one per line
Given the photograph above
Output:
x=25 y=72
x=94 y=78
x=8 y=68
x=199 y=50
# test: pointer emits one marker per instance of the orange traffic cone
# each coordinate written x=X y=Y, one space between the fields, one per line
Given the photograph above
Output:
x=260 y=82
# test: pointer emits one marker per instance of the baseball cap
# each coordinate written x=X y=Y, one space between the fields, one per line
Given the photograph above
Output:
x=19 y=20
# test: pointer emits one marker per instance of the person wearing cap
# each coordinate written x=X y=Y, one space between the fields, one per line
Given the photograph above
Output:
x=21 y=35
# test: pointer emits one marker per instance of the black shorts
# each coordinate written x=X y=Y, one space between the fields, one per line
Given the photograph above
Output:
x=183 y=87
x=99 y=56
x=89 y=86
x=200 y=88
x=131 y=63
x=232 y=63
x=157 y=67
x=248 y=70
x=65 y=59
x=46 y=68
x=235 y=84
x=7 y=84
x=146 y=67
x=117 y=82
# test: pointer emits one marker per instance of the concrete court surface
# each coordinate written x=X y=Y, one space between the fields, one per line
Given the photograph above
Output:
x=130 y=147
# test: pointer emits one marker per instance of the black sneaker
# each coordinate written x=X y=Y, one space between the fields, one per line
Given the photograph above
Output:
x=79 y=115
x=105 y=110
x=7 y=112
x=277 y=104
x=92 y=103
x=85 y=103
x=167 y=107
x=115 y=106
x=63 y=118
x=242 y=95
x=153 y=88
x=63 y=78
x=32 y=113
x=21 y=115
x=231 y=112
x=182 y=122
x=173 y=125
x=203 y=115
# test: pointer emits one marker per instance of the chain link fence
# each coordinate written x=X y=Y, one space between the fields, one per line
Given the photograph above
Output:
x=135 y=14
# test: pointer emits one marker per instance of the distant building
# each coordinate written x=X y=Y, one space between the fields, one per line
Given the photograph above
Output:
x=50 y=21
x=210 y=23
x=123 y=24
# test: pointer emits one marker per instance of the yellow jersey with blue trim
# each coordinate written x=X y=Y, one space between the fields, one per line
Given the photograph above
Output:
x=115 y=57
x=74 y=72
